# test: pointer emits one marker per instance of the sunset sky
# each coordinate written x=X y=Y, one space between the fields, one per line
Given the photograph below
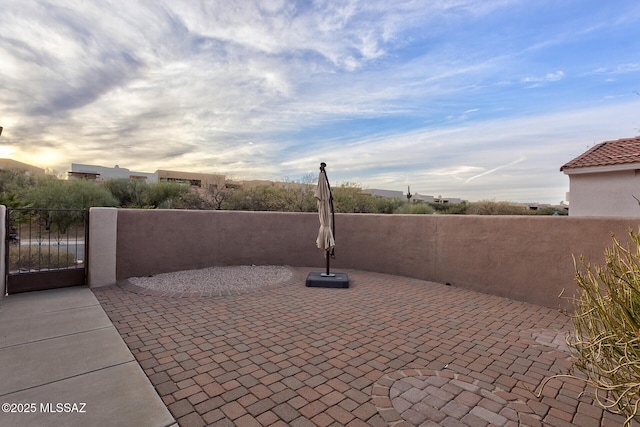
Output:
x=477 y=99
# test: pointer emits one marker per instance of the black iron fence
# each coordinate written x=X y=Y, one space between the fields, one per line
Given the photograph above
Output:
x=46 y=248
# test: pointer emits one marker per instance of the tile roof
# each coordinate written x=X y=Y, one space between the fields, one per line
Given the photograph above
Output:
x=608 y=153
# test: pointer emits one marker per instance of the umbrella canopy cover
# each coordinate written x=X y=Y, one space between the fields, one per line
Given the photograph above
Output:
x=325 y=239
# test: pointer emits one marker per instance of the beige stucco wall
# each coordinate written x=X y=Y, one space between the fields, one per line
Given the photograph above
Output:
x=102 y=246
x=525 y=258
x=157 y=241
x=605 y=194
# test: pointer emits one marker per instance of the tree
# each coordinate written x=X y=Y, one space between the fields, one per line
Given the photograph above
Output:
x=129 y=192
x=13 y=184
x=300 y=194
x=55 y=195
x=266 y=198
x=165 y=194
x=349 y=198
x=190 y=200
x=85 y=194
x=216 y=196
x=50 y=192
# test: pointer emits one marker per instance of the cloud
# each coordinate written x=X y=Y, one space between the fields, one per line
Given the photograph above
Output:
x=451 y=160
x=515 y=162
x=387 y=92
x=549 y=77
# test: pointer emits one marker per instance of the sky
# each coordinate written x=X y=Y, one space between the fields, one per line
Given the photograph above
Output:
x=476 y=99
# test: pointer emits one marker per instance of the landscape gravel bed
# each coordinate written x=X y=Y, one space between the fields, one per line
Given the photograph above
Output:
x=216 y=280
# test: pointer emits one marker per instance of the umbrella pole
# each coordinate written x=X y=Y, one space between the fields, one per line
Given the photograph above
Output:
x=330 y=251
x=328 y=260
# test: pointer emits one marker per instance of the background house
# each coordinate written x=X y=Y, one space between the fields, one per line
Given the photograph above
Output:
x=102 y=173
x=605 y=180
x=8 y=164
x=392 y=194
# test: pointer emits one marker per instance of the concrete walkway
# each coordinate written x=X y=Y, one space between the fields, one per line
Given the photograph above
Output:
x=388 y=351
x=62 y=362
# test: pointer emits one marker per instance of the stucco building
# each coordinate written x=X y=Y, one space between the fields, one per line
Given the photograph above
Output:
x=605 y=180
x=200 y=180
x=103 y=173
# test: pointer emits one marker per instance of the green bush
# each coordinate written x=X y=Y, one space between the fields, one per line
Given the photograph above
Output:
x=50 y=192
x=349 y=198
x=415 y=208
x=450 y=208
x=606 y=340
x=386 y=205
x=488 y=207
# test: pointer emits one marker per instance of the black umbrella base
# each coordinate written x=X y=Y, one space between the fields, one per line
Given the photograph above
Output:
x=321 y=280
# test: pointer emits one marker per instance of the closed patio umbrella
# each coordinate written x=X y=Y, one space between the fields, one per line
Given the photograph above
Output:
x=326 y=233
x=324 y=200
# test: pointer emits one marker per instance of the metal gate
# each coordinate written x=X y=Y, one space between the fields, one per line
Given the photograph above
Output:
x=46 y=248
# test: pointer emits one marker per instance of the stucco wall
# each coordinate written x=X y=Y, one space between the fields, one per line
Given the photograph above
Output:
x=525 y=258
x=605 y=194
x=102 y=246
x=157 y=241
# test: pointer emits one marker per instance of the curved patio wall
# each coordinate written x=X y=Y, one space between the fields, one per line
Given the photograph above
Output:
x=525 y=258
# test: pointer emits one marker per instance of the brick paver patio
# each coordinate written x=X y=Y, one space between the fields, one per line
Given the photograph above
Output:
x=390 y=350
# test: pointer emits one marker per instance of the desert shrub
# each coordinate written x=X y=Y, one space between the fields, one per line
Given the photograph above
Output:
x=488 y=207
x=258 y=198
x=414 y=208
x=387 y=205
x=39 y=257
x=130 y=193
x=165 y=194
x=605 y=343
x=450 y=208
x=551 y=211
x=349 y=198
x=50 y=192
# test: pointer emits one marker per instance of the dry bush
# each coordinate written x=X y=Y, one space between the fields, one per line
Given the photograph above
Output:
x=605 y=342
x=36 y=257
x=488 y=207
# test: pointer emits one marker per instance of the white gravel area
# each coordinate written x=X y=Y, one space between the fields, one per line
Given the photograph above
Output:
x=216 y=280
